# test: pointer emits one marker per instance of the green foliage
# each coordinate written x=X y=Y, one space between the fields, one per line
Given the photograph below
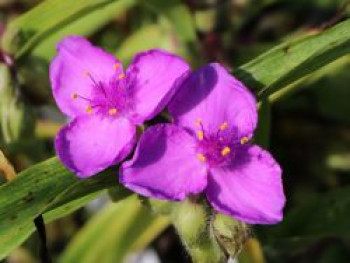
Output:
x=125 y=227
x=310 y=62
x=179 y=15
x=26 y=32
x=147 y=37
x=290 y=61
x=45 y=187
x=85 y=25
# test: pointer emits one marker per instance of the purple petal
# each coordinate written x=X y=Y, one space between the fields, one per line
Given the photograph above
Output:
x=77 y=65
x=251 y=190
x=89 y=144
x=153 y=76
x=165 y=165
x=213 y=96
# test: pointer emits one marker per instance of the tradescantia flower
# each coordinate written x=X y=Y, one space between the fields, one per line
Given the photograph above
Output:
x=105 y=103
x=207 y=150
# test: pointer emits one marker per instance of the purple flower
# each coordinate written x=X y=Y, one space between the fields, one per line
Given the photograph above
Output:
x=207 y=150
x=105 y=103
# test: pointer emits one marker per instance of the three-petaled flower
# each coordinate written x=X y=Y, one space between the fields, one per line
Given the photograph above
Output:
x=207 y=150
x=105 y=103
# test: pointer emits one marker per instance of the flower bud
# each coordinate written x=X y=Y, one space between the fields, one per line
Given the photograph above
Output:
x=231 y=234
x=16 y=118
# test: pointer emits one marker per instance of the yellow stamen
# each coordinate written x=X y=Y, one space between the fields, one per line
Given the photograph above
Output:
x=201 y=157
x=244 y=140
x=112 y=111
x=121 y=76
x=86 y=73
x=75 y=96
x=223 y=126
x=198 y=122
x=116 y=66
x=89 y=109
x=200 y=135
x=225 y=151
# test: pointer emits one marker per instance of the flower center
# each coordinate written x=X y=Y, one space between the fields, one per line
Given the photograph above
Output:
x=217 y=148
x=109 y=98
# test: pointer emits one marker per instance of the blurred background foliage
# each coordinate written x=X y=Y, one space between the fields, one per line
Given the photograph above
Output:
x=304 y=121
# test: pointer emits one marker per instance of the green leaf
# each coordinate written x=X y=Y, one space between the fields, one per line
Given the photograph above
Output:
x=24 y=33
x=118 y=229
x=293 y=60
x=325 y=215
x=262 y=133
x=14 y=236
x=147 y=37
x=41 y=188
x=178 y=14
x=85 y=25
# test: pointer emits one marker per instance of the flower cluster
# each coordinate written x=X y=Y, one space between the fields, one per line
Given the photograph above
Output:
x=206 y=149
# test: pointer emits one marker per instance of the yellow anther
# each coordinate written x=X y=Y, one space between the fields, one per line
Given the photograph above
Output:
x=198 y=122
x=223 y=126
x=112 y=111
x=86 y=73
x=201 y=157
x=244 y=140
x=225 y=151
x=75 y=96
x=89 y=109
x=121 y=76
x=116 y=66
x=200 y=135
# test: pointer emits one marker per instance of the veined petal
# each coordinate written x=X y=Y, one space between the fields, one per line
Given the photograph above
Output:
x=89 y=144
x=165 y=165
x=153 y=79
x=250 y=190
x=74 y=70
x=214 y=97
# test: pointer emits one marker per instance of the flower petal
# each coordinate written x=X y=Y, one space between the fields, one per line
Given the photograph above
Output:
x=89 y=144
x=251 y=190
x=165 y=165
x=75 y=68
x=213 y=96
x=153 y=76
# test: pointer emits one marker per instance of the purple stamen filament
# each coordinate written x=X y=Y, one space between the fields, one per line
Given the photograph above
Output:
x=107 y=98
x=216 y=148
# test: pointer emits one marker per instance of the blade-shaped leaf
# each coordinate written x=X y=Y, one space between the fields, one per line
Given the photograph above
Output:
x=24 y=33
x=14 y=236
x=290 y=61
x=178 y=14
x=41 y=188
x=84 y=26
x=120 y=228
x=147 y=37
x=327 y=214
